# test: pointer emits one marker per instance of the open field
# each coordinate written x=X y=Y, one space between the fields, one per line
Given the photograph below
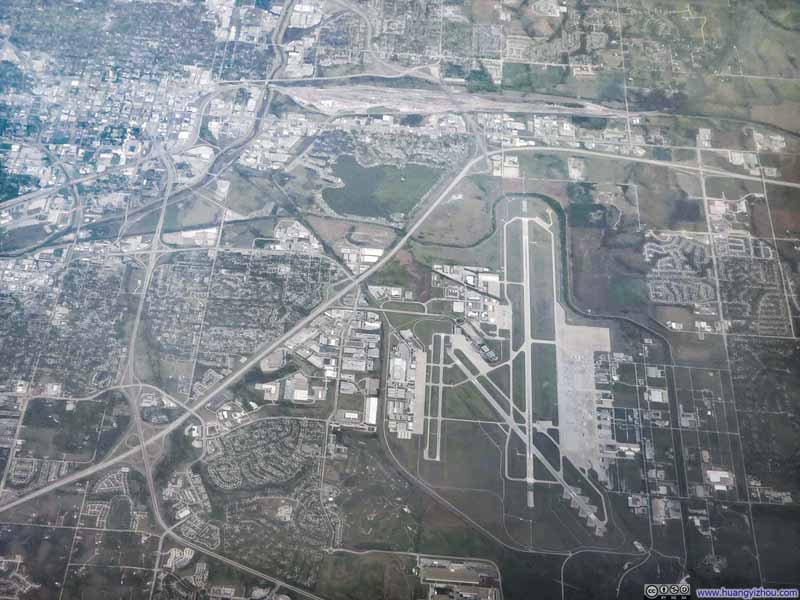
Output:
x=81 y=431
x=545 y=382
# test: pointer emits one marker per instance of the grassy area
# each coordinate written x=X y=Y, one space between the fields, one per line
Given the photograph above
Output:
x=51 y=430
x=529 y=78
x=465 y=222
x=465 y=361
x=191 y=213
x=119 y=517
x=248 y=193
x=466 y=402
x=243 y=235
x=518 y=389
x=629 y=293
x=425 y=329
x=146 y=223
x=415 y=275
x=404 y=306
x=606 y=86
x=513 y=242
x=452 y=375
x=546 y=446
x=501 y=377
x=473 y=463
x=348 y=577
x=545 y=166
x=401 y=320
x=378 y=191
x=516 y=297
x=44 y=551
x=545 y=382
x=664 y=197
x=541 y=282
x=10 y=183
x=484 y=254
x=775 y=527
x=495 y=393
x=394 y=274
x=774 y=104
x=179 y=452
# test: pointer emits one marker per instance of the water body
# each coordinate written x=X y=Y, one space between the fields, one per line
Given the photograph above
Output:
x=378 y=191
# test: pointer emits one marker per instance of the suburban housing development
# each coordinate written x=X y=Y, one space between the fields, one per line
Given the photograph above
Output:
x=360 y=300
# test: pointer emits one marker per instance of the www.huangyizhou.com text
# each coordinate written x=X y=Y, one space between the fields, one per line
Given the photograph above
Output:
x=747 y=593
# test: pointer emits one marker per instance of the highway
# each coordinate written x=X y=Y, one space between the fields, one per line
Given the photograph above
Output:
x=438 y=102
x=129 y=374
x=331 y=302
x=543 y=148
x=269 y=347
x=264 y=350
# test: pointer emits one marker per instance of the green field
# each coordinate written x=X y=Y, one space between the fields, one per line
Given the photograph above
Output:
x=453 y=375
x=501 y=377
x=345 y=577
x=401 y=320
x=88 y=429
x=194 y=212
x=545 y=382
x=495 y=393
x=378 y=191
x=541 y=283
x=518 y=389
x=513 y=241
x=466 y=402
x=516 y=298
x=561 y=81
x=547 y=166
x=426 y=328
x=415 y=307
x=465 y=361
x=548 y=449
x=248 y=192
x=146 y=223
x=245 y=234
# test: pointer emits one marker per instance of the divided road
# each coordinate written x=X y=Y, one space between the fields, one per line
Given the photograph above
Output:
x=333 y=300
x=259 y=354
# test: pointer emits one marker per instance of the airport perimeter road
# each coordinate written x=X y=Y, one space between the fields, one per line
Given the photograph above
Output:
x=350 y=286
